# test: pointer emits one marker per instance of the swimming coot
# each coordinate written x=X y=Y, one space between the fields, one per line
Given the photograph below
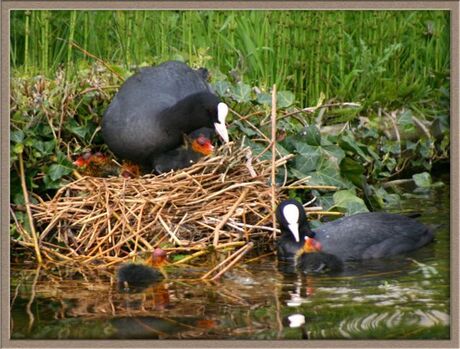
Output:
x=360 y=236
x=197 y=144
x=135 y=276
x=155 y=107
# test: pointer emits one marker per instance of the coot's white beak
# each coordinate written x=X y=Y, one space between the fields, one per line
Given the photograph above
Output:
x=222 y=111
x=294 y=228
x=291 y=214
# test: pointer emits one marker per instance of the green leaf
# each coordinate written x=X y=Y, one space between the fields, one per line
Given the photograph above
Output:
x=79 y=130
x=312 y=135
x=306 y=164
x=352 y=170
x=57 y=171
x=328 y=173
x=284 y=99
x=50 y=184
x=422 y=180
x=264 y=98
x=45 y=148
x=334 y=151
x=17 y=136
x=18 y=148
x=348 y=142
x=246 y=130
x=411 y=145
x=348 y=200
x=405 y=121
x=241 y=93
x=222 y=88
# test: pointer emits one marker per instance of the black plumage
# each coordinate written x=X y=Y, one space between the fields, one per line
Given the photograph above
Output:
x=360 y=236
x=154 y=108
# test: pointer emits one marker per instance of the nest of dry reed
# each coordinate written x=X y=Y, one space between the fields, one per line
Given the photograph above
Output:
x=220 y=202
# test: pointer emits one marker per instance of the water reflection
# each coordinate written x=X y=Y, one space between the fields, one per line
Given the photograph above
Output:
x=396 y=298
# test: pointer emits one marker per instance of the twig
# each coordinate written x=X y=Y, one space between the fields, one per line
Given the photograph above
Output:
x=227 y=216
x=421 y=126
x=273 y=166
x=31 y=300
x=243 y=250
x=392 y=118
x=235 y=256
x=29 y=212
x=397 y=182
x=170 y=232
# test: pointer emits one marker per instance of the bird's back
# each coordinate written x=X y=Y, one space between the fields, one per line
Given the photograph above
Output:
x=372 y=235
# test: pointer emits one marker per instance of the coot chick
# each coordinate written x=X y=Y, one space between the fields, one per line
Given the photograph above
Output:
x=100 y=165
x=155 y=107
x=197 y=144
x=360 y=236
x=134 y=276
x=96 y=165
x=319 y=262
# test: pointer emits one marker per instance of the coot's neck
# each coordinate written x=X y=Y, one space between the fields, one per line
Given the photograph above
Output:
x=187 y=115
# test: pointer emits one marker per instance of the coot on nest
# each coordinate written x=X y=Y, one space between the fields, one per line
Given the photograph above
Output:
x=154 y=108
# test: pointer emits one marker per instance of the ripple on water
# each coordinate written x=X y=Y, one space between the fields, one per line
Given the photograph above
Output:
x=353 y=326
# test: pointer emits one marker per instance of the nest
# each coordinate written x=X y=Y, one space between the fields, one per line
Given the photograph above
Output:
x=221 y=201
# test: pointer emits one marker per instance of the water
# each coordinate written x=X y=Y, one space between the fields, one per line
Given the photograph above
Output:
x=406 y=297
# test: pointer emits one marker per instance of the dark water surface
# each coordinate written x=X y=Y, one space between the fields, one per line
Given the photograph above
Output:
x=406 y=297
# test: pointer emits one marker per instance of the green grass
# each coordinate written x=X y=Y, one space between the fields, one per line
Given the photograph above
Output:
x=384 y=57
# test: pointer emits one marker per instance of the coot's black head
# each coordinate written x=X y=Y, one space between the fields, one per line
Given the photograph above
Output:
x=292 y=219
x=211 y=111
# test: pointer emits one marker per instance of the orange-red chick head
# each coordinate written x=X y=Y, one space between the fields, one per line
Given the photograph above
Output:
x=83 y=160
x=202 y=145
x=157 y=258
x=311 y=245
x=130 y=170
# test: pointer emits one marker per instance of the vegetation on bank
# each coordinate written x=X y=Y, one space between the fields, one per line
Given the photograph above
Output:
x=376 y=82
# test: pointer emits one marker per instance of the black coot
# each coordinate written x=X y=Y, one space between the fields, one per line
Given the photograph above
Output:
x=154 y=109
x=197 y=144
x=360 y=236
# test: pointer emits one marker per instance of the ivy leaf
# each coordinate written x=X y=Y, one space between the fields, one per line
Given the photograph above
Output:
x=348 y=200
x=328 y=173
x=312 y=136
x=57 y=171
x=405 y=121
x=17 y=136
x=422 y=180
x=306 y=164
x=73 y=127
x=246 y=130
x=222 y=88
x=334 y=151
x=284 y=99
x=45 y=148
x=264 y=98
x=348 y=142
x=352 y=170
x=241 y=93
